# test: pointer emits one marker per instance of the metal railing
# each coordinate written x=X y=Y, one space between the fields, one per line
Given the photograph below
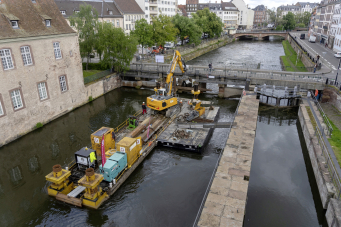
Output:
x=257 y=32
x=215 y=169
x=204 y=72
x=97 y=76
x=324 y=116
x=329 y=162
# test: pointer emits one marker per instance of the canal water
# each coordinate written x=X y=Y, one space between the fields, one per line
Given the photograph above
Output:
x=168 y=187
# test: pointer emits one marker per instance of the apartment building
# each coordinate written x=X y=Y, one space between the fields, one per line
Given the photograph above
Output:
x=260 y=15
x=306 y=6
x=131 y=13
x=41 y=72
x=335 y=30
x=231 y=15
x=191 y=7
x=107 y=10
x=289 y=8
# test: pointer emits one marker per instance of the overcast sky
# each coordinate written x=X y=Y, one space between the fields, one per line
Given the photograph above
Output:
x=253 y=3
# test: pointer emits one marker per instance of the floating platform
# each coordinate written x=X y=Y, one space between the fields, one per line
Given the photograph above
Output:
x=193 y=139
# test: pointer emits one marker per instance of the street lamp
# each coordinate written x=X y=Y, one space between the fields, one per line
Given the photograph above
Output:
x=337 y=72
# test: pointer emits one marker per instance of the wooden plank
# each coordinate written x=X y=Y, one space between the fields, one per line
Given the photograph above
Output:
x=70 y=200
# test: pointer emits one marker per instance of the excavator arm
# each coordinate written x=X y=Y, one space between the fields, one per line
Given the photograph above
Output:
x=177 y=59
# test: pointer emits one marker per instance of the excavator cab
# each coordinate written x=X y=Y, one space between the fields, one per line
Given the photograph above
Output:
x=161 y=92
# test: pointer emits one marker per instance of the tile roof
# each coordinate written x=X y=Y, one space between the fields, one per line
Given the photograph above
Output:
x=31 y=19
x=102 y=7
x=128 y=7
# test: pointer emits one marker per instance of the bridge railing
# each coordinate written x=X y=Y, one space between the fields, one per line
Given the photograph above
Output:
x=257 y=32
x=217 y=73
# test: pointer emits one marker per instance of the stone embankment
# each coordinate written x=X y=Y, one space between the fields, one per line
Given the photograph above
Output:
x=227 y=196
x=327 y=190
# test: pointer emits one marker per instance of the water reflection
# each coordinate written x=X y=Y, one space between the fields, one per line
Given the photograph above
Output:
x=280 y=181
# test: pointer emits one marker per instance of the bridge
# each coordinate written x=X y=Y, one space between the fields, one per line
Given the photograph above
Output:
x=229 y=80
x=261 y=35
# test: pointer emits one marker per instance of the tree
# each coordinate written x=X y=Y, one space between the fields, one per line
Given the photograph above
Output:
x=143 y=33
x=187 y=27
x=289 y=21
x=119 y=49
x=85 y=22
x=209 y=22
x=272 y=15
x=163 y=30
x=306 y=18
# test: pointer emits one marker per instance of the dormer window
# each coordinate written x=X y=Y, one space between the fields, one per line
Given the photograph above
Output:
x=76 y=11
x=48 y=23
x=110 y=12
x=63 y=12
x=14 y=24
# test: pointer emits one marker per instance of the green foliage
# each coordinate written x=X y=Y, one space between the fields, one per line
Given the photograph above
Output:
x=163 y=30
x=94 y=66
x=209 y=22
x=90 y=98
x=143 y=33
x=119 y=49
x=335 y=141
x=85 y=21
x=300 y=25
x=87 y=73
x=291 y=56
x=290 y=22
x=286 y=64
x=187 y=27
x=306 y=18
x=39 y=125
x=279 y=28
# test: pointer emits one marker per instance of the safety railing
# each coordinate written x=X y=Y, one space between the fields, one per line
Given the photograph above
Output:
x=126 y=122
x=329 y=162
x=219 y=72
x=324 y=116
x=97 y=76
x=215 y=169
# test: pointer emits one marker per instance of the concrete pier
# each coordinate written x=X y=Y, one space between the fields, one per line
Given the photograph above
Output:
x=226 y=200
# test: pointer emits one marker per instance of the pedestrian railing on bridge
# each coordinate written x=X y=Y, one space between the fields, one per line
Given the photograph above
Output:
x=231 y=73
x=324 y=116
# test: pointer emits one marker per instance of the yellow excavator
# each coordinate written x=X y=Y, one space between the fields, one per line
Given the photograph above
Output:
x=164 y=98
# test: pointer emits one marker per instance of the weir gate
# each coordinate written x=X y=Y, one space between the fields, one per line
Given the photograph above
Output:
x=230 y=80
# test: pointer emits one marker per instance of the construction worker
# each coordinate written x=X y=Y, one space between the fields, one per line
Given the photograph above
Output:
x=144 y=109
x=180 y=104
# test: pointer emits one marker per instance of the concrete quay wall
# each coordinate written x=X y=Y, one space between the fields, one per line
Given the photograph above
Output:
x=227 y=196
x=304 y=58
x=323 y=180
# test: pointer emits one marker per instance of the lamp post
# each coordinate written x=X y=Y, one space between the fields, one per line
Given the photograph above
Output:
x=337 y=72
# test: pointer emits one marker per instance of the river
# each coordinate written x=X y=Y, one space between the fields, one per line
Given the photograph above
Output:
x=168 y=187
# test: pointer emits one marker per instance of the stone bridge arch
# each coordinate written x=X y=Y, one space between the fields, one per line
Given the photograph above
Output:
x=261 y=35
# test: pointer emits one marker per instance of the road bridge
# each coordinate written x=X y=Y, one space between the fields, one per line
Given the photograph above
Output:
x=230 y=80
x=261 y=35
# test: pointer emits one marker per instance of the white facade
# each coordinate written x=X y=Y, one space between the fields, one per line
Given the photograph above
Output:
x=335 y=28
x=307 y=8
x=168 y=8
x=144 y=5
x=250 y=17
x=243 y=12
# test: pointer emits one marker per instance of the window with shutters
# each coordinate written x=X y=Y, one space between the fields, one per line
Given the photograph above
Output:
x=16 y=99
x=42 y=90
x=26 y=55
x=6 y=59
x=57 y=52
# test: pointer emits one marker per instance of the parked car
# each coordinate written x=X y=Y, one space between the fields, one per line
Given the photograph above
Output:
x=312 y=39
x=169 y=45
x=337 y=55
x=179 y=43
x=302 y=36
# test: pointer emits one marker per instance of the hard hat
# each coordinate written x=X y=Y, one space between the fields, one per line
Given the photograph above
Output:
x=180 y=100
x=143 y=102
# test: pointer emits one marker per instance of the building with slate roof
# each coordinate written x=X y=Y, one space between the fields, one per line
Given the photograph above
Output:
x=131 y=12
x=107 y=10
x=40 y=68
x=260 y=15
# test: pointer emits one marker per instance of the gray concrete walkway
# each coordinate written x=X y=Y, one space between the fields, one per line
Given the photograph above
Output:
x=226 y=200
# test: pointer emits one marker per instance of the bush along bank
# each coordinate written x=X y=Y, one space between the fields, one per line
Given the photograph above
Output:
x=290 y=59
